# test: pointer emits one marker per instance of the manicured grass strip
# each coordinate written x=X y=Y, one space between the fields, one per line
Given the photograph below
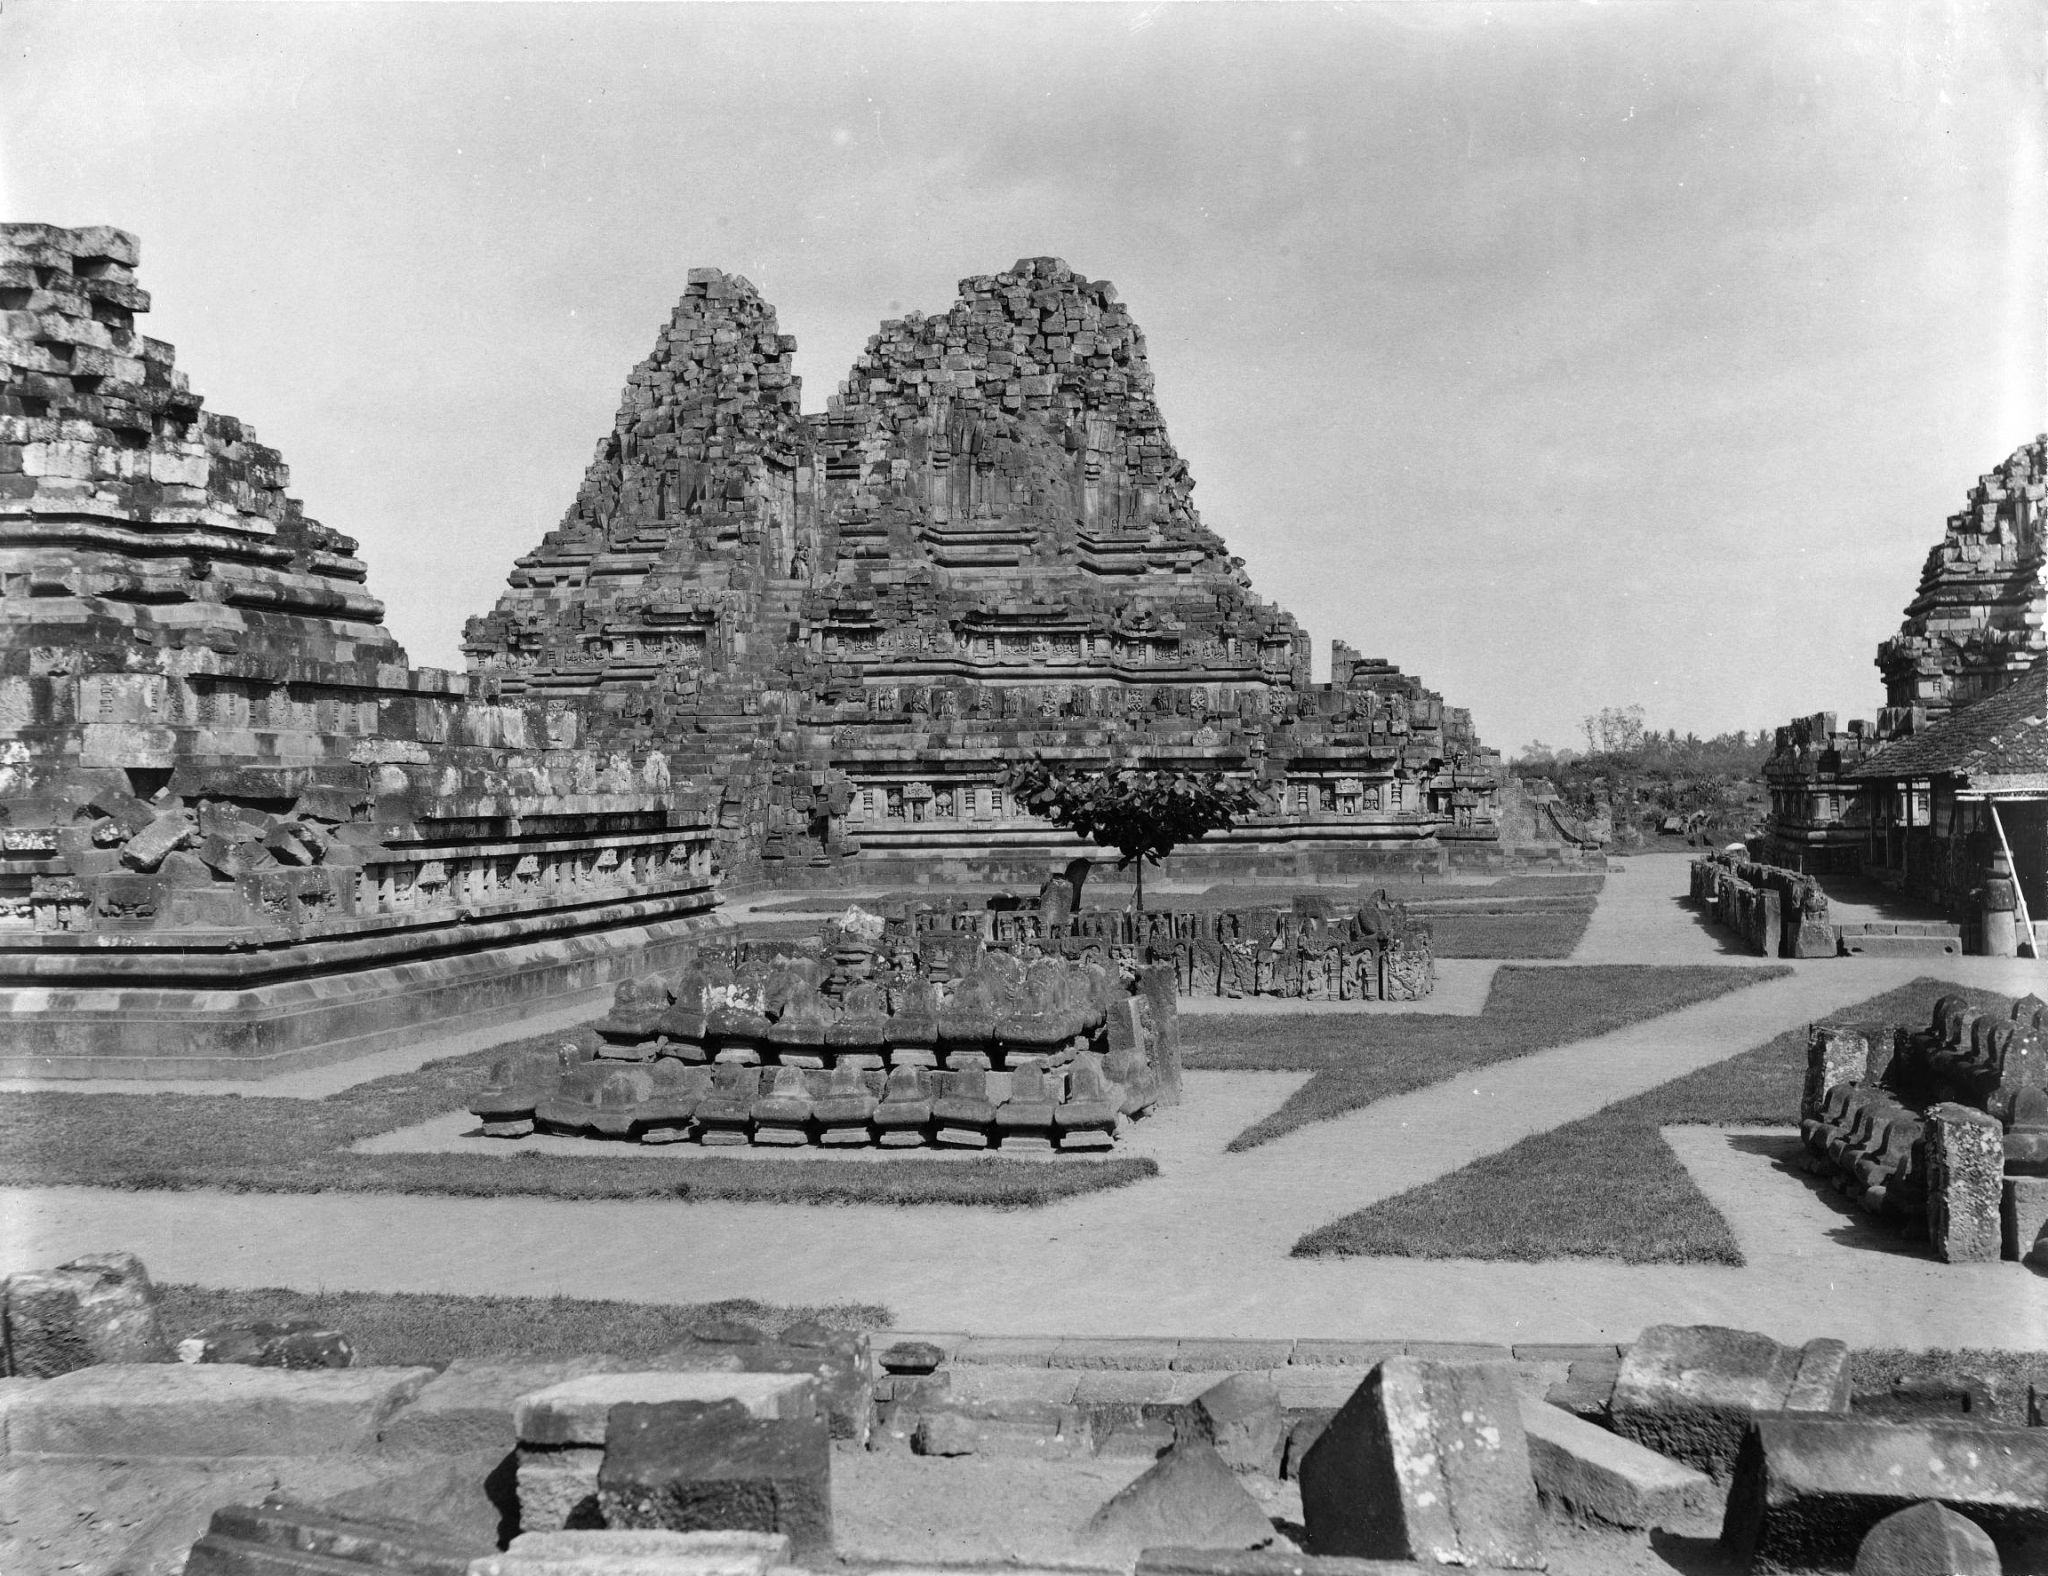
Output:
x=1607 y=1186
x=1363 y=1057
x=260 y=1145
x=409 y=1329
x=1511 y=933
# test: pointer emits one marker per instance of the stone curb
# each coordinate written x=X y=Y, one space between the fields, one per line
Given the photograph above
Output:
x=1224 y=1356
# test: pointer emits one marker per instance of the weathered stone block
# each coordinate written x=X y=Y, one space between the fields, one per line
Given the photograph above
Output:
x=686 y=1466
x=1174 y=1561
x=611 y=1552
x=470 y=1405
x=1927 y=1539
x=1691 y=1391
x=1833 y=1056
x=181 y=1409
x=278 y=1538
x=1965 y=1177
x=2023 y=1219
x=1601 y=1477
x=1807 y=1490
x=262 y=1343
x=1243 y=1420
x=100 y=1308
x=576 y=1411
x=1191 y=1494
x=1427 y=1461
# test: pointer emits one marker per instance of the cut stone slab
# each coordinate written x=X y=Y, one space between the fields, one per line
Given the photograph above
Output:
x=613 y=1552
x=468 y=1496
x=1927 y=1539
x=1691 y=1391
x=575 y=1411
x=1190 y=1494
x=1600 y=1477
x=1263 y=1562
x=99 y=1308
x=1427 y=1461
x=179 y=1409
x=1242 y=1418
x=471 y=1404
x=1807 y=1490
x=278 y=1538
x=262 y=1343
x=685 y=1466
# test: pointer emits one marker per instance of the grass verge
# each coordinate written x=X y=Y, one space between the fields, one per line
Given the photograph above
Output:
x=264 y=1145
x=1364 y=1057
x=408 y=1329
x=1516 y=929
x=1607 y=1186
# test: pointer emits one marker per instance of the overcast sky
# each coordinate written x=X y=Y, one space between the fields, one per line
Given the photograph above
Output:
x=1568 y=355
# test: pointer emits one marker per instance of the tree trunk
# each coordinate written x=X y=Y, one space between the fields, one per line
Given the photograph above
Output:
x=1139 y=906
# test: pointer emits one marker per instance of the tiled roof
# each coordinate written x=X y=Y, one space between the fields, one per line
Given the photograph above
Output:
x=1999 y=736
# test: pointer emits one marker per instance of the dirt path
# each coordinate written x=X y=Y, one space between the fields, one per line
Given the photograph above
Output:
x=1202 y=1249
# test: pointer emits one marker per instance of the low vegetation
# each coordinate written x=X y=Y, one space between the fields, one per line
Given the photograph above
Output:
x=408 y=1329
x=267 y=1145
x=1359 y=1058
x=1608 y=1186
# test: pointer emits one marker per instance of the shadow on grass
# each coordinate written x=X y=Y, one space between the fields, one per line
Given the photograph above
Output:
x=1607 y=1186
x=256 y=1144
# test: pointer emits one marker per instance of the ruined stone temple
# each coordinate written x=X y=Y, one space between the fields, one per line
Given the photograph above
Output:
x=844 y=625
x=1945 y=796
x=238 y=830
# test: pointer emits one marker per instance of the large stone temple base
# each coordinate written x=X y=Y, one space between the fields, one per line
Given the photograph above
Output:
x=188 y=1013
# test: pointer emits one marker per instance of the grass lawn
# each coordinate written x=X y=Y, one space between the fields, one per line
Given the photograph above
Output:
x=1363 y=1057
x=404 y=1329
x=1514 y=928
x=260 y=1145
x=1607 y=1186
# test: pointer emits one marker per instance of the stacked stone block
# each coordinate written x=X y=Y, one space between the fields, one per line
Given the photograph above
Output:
x=844 y=1045
x=208 y=735
x=1948 y=1132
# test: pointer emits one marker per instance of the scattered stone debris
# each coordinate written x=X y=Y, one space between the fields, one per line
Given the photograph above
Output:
x=1189 y=1494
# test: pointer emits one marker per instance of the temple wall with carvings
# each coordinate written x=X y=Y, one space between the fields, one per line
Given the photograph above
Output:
x=218 y=770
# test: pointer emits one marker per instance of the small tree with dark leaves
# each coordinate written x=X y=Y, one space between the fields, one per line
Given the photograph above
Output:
x=1143 y=815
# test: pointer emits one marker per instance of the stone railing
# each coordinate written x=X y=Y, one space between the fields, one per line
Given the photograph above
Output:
x=1946 y=1127
x=854 y=1041
x=1778 y=913
x=1308 y=952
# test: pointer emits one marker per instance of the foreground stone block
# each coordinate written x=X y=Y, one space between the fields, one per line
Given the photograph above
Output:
x=261 y=1343
x=1191 y=1494
x=624 y=1553
x=1427 y=1461
x=278 y=1538
x=178 y=1409
x=1690 y=1391
x=1965 y=1184
x=471 y=1405
x=685 y=1466
x=1927 y=1540
x=1601 y=1477
x=576 y=1411
x=1243 y=1419
x=1263 y=1562
x=1807 y=1490
x=100 y=1308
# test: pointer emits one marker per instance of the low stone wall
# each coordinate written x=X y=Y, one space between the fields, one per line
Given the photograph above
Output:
x=1309 y=951
x=1778 y=913
x=850 y=1041
x=1945 y=1128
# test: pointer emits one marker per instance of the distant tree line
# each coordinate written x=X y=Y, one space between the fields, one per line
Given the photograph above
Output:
x=1709 y=791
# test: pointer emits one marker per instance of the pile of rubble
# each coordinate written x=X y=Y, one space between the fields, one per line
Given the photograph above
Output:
x=946 y=1043
x=1942 y=1130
